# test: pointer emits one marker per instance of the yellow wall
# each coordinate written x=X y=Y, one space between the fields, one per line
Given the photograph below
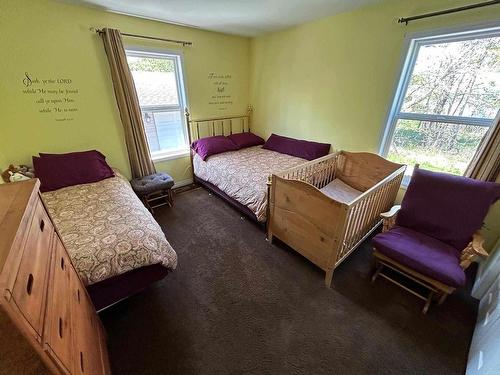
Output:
x=333 y=80
x=52 y=39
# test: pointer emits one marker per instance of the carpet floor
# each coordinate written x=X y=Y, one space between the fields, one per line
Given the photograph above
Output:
x=239 y=305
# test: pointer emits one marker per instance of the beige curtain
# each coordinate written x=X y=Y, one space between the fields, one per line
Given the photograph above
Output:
x=485 y=165
x=128 y=104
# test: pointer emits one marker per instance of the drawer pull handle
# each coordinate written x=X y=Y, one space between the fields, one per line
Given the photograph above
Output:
x=29 y=284
x=60 y=328
x=62 y=263
x=42 y=225
x=81 y=362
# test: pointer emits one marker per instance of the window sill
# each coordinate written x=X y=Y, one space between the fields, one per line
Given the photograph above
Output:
x=169 y=155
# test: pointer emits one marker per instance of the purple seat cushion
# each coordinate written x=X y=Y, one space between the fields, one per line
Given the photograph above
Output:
x=447 y=207
x=423 y=254
x=208 y=146
x=297 y=147
x=56 y=171
x=247 y=139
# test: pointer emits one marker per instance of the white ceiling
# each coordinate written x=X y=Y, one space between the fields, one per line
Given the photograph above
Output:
x=240 y=17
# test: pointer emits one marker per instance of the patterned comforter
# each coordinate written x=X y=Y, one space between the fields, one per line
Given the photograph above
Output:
x=243 y=174
x=107 y=230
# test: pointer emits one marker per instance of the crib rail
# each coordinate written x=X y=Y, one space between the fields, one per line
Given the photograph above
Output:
x=363 y=214
x=319 y=172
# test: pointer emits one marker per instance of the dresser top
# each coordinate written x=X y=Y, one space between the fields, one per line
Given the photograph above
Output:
x=14 y=202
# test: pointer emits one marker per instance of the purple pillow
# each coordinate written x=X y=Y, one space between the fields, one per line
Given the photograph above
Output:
x=296 y=147
x=76 y=153
x=247 y=139
x=446 y=207
x=56 y=171
x=213 y=145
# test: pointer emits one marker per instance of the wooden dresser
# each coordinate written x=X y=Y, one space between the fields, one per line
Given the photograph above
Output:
x=48 y=323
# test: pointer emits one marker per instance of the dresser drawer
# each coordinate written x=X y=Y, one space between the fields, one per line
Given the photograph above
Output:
x=30 y=285
x=88 y=351
x=58 y=333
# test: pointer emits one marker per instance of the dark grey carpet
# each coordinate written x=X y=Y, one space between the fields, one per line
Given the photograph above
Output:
x=238 y=305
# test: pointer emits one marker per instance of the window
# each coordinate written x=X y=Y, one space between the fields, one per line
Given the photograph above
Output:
x=159 y=84
x=448 y=96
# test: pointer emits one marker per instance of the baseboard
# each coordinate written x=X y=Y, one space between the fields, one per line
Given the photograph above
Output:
x=182 y=183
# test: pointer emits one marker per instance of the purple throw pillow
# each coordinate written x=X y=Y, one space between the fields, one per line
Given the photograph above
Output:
x=56 y=171
x=208 y=146
x=296 y=147
x=76 y=153
x=247 y=139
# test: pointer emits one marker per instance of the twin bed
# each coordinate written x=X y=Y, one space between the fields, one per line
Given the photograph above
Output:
x=115 y=244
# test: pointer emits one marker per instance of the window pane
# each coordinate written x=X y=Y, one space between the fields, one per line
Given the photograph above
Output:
x=155 y=80
x=435 y=146
x=459 y=78
x=164 y=130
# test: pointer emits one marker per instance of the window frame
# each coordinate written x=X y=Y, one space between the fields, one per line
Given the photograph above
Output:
x=178 y=57
x=413 y=42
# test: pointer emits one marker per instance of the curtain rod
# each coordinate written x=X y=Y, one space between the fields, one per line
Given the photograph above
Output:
x=405 y=20
x=183 y=42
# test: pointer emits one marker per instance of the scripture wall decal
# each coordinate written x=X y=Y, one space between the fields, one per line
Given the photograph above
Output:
x=55 y=97
x=221 y=90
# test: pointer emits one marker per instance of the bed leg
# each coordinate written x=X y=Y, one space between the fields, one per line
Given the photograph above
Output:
x=328 y=278
x=269 y=237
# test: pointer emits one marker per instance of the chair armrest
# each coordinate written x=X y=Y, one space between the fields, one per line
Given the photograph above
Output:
x=473 y=250
x=389 y=218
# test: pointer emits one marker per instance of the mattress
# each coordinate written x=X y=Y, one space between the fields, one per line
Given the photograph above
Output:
x=340 y=191
x=243 y=174
x=107 y=230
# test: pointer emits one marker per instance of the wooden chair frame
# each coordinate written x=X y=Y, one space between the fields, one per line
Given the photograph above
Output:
x=473 y=251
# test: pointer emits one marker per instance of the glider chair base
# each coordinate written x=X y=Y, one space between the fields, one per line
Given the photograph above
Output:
x=434 y=288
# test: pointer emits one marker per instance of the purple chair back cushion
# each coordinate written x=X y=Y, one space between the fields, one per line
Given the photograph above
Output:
x=296 y=147
x=247 y=139
x=446 y=207
x=58 y=171
x=208 y=146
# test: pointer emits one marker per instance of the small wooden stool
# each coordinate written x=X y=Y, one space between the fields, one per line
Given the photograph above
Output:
x=154 y=190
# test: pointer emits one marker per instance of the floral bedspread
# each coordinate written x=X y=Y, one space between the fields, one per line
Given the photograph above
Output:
x=107 y=230
x=243 y=174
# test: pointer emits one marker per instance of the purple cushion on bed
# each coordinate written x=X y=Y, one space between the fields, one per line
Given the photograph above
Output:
x=447 y=207
x=423 y=254
x=247 y=139
x=58 y=171
x=213 y=145
x=297 y=147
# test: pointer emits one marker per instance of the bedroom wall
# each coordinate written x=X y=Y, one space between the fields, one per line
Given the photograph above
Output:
x=333 y=79
x=51 y=40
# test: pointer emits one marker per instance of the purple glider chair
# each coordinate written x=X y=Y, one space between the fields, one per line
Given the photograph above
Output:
x=433 y=236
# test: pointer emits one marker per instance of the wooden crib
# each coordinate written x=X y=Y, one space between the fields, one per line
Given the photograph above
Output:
x=323 y=229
